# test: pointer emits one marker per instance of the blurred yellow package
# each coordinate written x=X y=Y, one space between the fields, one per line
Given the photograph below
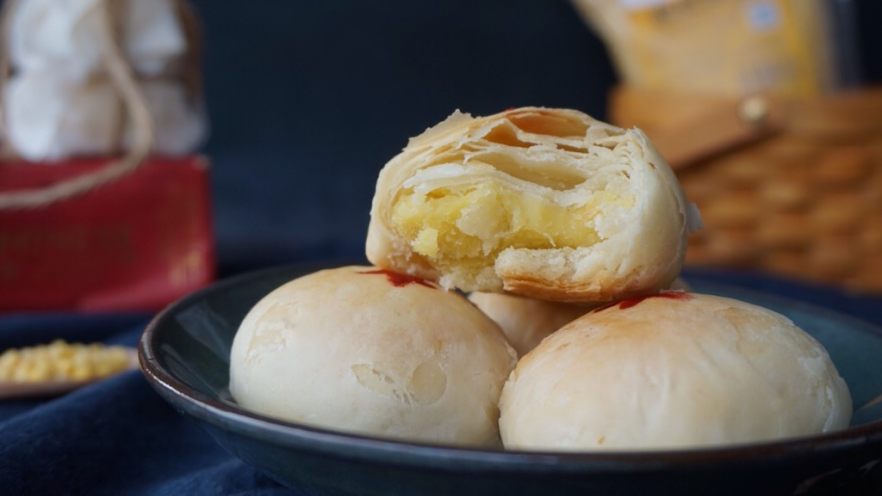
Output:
x=725 y=47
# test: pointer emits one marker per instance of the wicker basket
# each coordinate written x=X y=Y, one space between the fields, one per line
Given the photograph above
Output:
x=792 y=187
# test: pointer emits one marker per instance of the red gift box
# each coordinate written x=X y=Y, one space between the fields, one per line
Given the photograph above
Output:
x=136 y=243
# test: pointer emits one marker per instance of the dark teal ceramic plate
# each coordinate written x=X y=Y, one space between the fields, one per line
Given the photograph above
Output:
x=185 y=355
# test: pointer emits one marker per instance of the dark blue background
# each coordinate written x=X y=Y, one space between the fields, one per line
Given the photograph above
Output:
x=308 y=100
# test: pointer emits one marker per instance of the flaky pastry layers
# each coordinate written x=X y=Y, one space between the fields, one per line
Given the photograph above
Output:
x=546 y=203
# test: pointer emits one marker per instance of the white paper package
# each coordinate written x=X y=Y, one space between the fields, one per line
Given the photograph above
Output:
x=48 y=120
x=60 y=102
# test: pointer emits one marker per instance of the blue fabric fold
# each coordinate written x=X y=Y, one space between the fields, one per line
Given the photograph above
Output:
x=113 y=437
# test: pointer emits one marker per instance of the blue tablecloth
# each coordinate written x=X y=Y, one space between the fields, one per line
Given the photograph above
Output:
x=118 y=437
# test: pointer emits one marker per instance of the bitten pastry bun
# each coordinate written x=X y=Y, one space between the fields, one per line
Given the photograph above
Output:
x=526 y=321
x=545 y=203
x=367 y=351
x=672 y=371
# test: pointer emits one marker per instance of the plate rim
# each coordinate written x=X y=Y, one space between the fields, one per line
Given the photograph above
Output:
x=363 y=447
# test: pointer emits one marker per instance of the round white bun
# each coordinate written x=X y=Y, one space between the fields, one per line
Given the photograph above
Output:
x=672 y=371
x=525 y=321
x=359 y=350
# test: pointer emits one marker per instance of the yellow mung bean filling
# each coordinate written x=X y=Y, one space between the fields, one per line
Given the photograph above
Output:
x=470 y=226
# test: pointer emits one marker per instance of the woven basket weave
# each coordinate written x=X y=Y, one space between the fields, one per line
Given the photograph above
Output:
x=791 y=187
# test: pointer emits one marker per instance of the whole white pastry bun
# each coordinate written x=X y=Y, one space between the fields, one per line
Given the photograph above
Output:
x=669 y=372
x=540 y=202
x=527 y=321
x=359 y=350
